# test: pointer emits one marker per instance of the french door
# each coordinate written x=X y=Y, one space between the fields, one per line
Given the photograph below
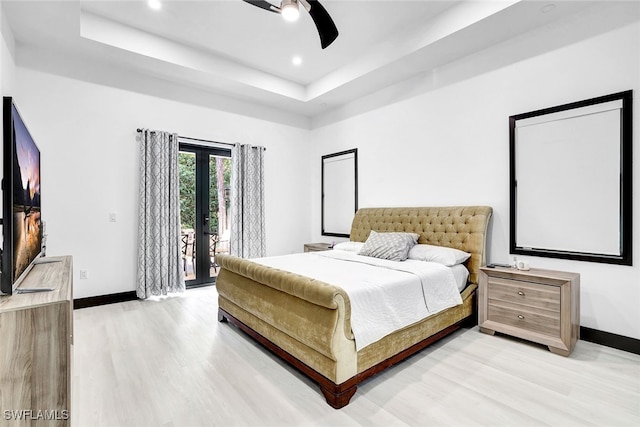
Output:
x=204 y=210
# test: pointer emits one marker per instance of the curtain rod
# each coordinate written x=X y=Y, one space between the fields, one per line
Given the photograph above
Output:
x=202 y=140
x=194 y=139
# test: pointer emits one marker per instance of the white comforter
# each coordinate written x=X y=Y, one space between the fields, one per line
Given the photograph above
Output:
x=385 y=295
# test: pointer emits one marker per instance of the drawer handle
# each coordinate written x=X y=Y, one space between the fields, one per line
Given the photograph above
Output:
x=521 y=293
x=520 y=316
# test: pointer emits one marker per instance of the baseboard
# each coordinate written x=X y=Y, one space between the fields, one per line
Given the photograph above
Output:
x=104 y=299
x=608 y=339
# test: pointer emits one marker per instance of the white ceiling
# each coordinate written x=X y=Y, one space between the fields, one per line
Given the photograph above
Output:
x=240 y=54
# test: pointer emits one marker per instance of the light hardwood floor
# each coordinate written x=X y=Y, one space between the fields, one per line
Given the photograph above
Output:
x=170 y=363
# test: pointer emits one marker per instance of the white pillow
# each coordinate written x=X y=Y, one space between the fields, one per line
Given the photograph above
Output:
x=392 y=246
x=348 y=246
x=439 y=254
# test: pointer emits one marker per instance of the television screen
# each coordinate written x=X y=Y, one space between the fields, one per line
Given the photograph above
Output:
x=22 y=225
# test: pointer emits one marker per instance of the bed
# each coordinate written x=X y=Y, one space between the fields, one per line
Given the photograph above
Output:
x=307 y=322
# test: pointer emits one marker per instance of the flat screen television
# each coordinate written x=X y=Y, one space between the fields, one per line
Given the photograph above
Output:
x=21 y=208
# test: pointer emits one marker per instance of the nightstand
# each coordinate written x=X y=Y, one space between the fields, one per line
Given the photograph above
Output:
x=317 y=247
x=537 y=305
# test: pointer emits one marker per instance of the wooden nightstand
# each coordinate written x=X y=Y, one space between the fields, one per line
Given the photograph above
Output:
x=537 y=305
x=317 y=247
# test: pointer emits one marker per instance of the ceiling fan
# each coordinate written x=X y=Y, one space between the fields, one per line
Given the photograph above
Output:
x=290 y=11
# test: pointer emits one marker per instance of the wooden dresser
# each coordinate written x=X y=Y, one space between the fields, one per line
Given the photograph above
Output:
x=537 y=305
x=36 y=335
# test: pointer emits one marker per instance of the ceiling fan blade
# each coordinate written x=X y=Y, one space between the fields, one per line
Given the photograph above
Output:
x=263 y=4
x=326 y=27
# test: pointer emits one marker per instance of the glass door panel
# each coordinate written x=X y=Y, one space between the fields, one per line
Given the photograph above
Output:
x=187 y=173
x=219 y=181
x=204 y=208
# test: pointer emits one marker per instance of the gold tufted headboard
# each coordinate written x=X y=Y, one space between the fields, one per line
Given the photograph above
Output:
x=459 y=227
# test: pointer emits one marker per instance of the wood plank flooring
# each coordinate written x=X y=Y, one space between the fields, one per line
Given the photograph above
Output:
x=170 y=363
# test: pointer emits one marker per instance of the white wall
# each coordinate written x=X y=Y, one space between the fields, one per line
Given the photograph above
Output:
x=447 y=143
x=87 y=136
x=7 y=61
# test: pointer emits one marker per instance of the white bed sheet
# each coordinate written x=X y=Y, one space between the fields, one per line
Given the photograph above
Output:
x=385 y=295
x=461 y=274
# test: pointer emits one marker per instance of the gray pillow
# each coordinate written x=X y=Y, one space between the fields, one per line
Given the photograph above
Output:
x=392 y=246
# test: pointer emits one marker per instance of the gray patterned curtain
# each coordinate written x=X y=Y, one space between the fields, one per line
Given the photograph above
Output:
x=247 y=201
x=159 y=258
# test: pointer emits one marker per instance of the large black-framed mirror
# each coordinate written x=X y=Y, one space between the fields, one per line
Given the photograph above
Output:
x=570 y=180
x=339 y=192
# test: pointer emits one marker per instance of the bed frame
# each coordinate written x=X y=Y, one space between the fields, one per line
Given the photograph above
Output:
x=307 y=322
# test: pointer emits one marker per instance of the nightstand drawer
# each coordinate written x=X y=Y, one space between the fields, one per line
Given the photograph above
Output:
x=530 y=294
x=547 y=323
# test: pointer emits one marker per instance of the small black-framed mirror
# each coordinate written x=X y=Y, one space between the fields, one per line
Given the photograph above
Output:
x=339 y=192
x=570 y=180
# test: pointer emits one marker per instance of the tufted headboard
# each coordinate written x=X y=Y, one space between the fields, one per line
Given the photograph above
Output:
x=459 y=227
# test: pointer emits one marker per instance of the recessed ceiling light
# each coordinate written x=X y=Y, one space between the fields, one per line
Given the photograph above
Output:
x=548 y=8
x=296 y=60
x=154 y=4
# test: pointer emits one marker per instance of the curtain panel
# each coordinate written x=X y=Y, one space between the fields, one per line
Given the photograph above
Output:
x=159 y=256
x=247 y=202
